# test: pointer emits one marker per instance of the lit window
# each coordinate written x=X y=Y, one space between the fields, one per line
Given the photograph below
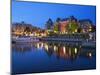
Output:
x=90 y=29
x=75 y=30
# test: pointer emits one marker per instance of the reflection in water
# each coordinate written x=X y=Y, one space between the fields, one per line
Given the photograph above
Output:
x=61 y=50
x=75 y=50
x=51 y=56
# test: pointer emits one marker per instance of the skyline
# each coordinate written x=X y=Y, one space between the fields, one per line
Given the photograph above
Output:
x=35 y=13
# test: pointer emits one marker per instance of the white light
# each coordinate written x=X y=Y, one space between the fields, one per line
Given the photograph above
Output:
x=90 y=54
x=46 y=47
x=41 y=45
x=75 y=50
x=64 y=49
x=38 y=45
x=55 y=48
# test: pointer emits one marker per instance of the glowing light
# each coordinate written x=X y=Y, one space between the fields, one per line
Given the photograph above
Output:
x=55 y=31
x=66 y=32
x=64 y=49
x=31 y=34
x=41 y=45
x=90 y=54
x=55 y=48
x=43 y=34
x=46 y=47
x=75 y=30
x=26 y=34
x=75 y=50
x=38 y=45
x=90 y=29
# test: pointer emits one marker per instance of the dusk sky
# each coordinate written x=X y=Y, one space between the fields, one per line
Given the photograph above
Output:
x=38 y=13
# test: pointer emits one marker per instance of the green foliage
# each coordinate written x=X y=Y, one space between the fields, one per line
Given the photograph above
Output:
x=56 y=28
x=73 y=26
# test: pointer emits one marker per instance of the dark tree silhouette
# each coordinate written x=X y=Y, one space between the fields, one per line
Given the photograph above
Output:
x=49 y=24
x=27 y=29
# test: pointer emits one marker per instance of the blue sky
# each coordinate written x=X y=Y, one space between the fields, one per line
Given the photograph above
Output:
x=38 y=13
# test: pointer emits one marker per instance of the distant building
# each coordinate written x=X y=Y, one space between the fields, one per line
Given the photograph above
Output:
x=85 y=25
x=21 y=28
x=63 y=25
x=66 y=25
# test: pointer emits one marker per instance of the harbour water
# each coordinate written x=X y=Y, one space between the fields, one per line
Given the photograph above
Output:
x=49 y=56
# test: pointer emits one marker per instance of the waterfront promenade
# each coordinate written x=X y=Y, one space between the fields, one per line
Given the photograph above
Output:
x=71 y=41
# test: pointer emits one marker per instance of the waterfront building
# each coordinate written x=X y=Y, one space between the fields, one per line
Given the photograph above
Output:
x=86 y=25
x=66 y=25
x=20 y=29
x=63 y=25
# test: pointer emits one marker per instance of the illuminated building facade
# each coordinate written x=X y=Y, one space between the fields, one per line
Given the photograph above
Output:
x=63 y=25
x=21 y=29
x=85 y=25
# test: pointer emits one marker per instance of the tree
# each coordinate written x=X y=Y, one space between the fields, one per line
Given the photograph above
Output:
x=79 y=30
x=56 y=27
x=73 y=26
x=27 y=29
x=58 y=19
x=49 y=24
x=93 y=28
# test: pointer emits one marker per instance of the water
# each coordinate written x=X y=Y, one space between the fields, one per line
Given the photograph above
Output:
x=51 y=56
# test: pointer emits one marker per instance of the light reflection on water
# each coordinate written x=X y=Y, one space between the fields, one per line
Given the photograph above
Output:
x=51 y=56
